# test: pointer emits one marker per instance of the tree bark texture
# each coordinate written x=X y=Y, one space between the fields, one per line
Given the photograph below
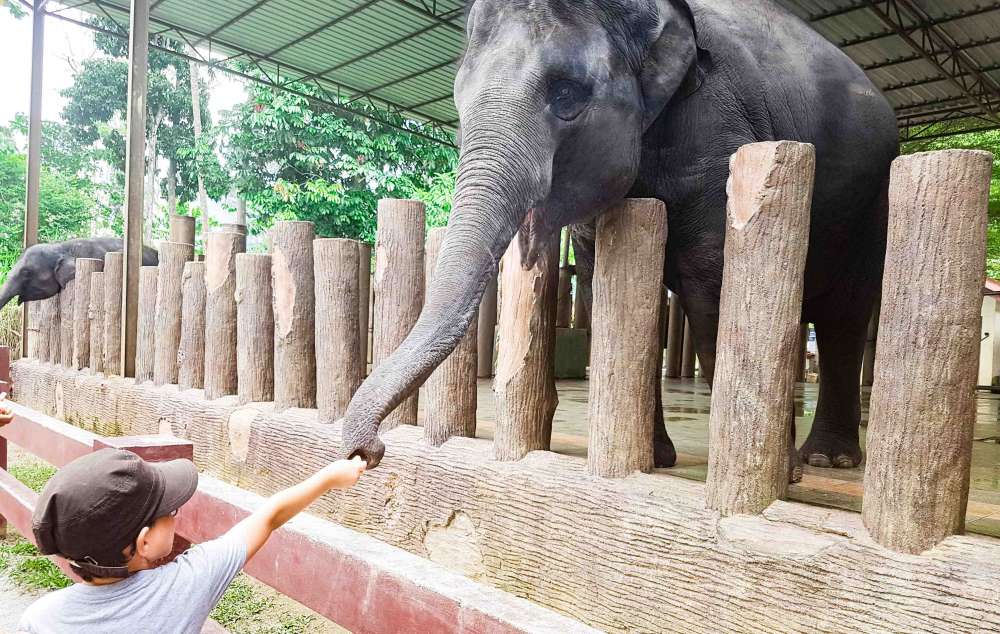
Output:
x=923 y=406
x=182 y=229
x=294 y=299
x=96 y=314
x=689 y=357
x=339 y=362
x=67 y=314
x=222 y=248
x=145 y=351
x=487 y=330
x=871 y=348
x=626 y=342
x=36 y=328
x=114 y=271
x=169 y=299
x=675 y=337
x=191 y=354
x=254 y=328
x=364 y=290
x=564 y=307
x=525 y=384
x=399 y=288
x=51 y=331
x=767 y=238
x=81 y=311
x=449 y=394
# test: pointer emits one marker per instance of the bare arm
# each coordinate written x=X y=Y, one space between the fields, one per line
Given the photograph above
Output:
x=283 y=506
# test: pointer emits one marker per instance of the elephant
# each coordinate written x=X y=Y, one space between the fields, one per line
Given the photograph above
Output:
x=567 y=107
x=45 y=269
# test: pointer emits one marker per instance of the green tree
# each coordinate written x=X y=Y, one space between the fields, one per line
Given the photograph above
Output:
x=292 y=158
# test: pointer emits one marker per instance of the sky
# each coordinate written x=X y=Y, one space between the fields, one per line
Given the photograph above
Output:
x=66 y=46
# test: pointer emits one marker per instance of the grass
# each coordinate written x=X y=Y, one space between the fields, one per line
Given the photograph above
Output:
x=19 y=559
x=10 y=328
x=247 y=610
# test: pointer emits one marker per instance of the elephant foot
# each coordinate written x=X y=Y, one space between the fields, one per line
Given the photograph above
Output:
x=830 y=450
x=794 y=465
x=664 y=454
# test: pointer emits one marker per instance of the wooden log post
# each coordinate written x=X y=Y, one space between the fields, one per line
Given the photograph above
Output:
x=525 y=385
x=35 y=328
x=182 y=229
x=191 y=353
x=364 y=290
x=449 y=394
x=486 y=331
x=294 y=301
x=221 y=375
x=399 y=287
x=581 y=318
x=767 y=238
x=169 y=299
x=675 y=337
x=689 y=356
x=51 y=331
x=626 y=343
x=254 y=329
x=145 y=351
x=233 y=227
x=800 y=363
x=81 y=311
x=114 y=271
x=923 y=405
x=340 y=367
x=564 y=306
x=871 y=348
x=67 y=297
x=96 y=314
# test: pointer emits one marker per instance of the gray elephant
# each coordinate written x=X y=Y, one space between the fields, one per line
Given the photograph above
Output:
x=44 y=269
x=567 y=107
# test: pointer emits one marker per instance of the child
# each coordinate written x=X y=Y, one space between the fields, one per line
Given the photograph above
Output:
x=111 y=515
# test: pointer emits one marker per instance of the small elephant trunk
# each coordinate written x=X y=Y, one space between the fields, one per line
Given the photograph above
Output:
x=499 y=180
x=11 y=288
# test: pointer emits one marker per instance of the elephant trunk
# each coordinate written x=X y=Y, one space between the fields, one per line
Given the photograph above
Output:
x=11 y=288
x=502 y=173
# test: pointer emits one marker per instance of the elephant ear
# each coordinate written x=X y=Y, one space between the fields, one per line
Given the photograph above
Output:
x=675 y=65
x=65 y=270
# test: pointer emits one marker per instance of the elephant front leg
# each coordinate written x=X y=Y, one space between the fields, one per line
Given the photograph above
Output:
x=834 y=440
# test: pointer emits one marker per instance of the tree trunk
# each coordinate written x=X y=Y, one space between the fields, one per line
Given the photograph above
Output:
x=753 y=390
x=221 y=375
x=675 y=337
x=182 y=229
x=173 y=257
x=114 y=270
x=486 y=330
x=54 y=329
x=67 y=314
x=450 y=392
x=339 y=364
x=254 y=328
x=196 y=119
x=525 y=385
x=364 y=290
x=626 y=343
x=241 y=211
x=36 y=324
x=294 y=315
x=96 y=313
x=581 y=318
x=154 y=133
x=172 y=189
x=923 y=405
x=399 y=287
x=145 y=350
x=688 y=353
x=81 y=311
x=191 y=354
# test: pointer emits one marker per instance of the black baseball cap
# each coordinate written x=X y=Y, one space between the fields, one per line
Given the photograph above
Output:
x=94 y=507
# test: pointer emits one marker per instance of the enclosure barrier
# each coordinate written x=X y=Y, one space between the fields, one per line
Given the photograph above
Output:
x=221 y=251
x=450 y=393
x=114 y=270
x=96 y=314
x=626 y=349
x=81 y=311
x=525 y=385
x=254 y=328
x=145 y=350
x=486 y=330
x=294 y=308
x=399 y=287
x=169 y=302
x=364 y=291
x=767 y=237
x=923 y=405
x=191 y=353
x=339 y=365
x=354 y=580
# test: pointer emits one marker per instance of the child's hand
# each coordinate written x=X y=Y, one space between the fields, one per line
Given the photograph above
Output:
x=5 y=415
x=343 y=474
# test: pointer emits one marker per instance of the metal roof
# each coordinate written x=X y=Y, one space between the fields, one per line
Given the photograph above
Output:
x=938 y=61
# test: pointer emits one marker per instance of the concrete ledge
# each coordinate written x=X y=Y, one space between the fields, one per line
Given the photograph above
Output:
x=635 y=555
x=361 y=583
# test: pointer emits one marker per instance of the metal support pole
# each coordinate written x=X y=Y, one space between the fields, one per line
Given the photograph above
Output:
x=34 y=144
x=134 y=171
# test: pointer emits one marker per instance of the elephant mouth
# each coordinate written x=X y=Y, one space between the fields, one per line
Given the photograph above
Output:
x=534 y=236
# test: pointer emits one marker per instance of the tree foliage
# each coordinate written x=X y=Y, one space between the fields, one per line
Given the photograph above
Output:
x=293 y=158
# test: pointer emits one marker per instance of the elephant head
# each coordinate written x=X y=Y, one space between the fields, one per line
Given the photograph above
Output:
x=554 y=97
x=38 y=274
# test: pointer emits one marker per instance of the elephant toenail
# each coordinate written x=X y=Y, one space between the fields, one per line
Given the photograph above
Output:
x=819 y=460
x=796 y=475
x=843 y=462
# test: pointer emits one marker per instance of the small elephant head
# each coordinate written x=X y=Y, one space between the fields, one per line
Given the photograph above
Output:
x=554 y=97
x=40 y=273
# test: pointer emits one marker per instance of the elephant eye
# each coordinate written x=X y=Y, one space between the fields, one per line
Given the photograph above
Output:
x=567 y=99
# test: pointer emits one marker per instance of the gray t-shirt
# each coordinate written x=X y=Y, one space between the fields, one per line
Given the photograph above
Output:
x=176 y=597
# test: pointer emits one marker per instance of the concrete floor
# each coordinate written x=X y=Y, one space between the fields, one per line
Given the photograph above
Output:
x=686 y=406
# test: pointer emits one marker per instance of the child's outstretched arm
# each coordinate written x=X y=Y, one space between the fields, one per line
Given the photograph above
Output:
x=283 y=506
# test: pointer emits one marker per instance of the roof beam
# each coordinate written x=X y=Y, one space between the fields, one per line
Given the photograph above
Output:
x=916 y=56
x=913 y=83
x=233 y=20
x=340 y=18
x=946 y=19
x=939 y=50
x=832 y=13
x=941 y=135
x=413 y=75
x=444 y=19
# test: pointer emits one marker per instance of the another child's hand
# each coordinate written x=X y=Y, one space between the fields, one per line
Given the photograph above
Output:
x=5 y=414
x=343 y=474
